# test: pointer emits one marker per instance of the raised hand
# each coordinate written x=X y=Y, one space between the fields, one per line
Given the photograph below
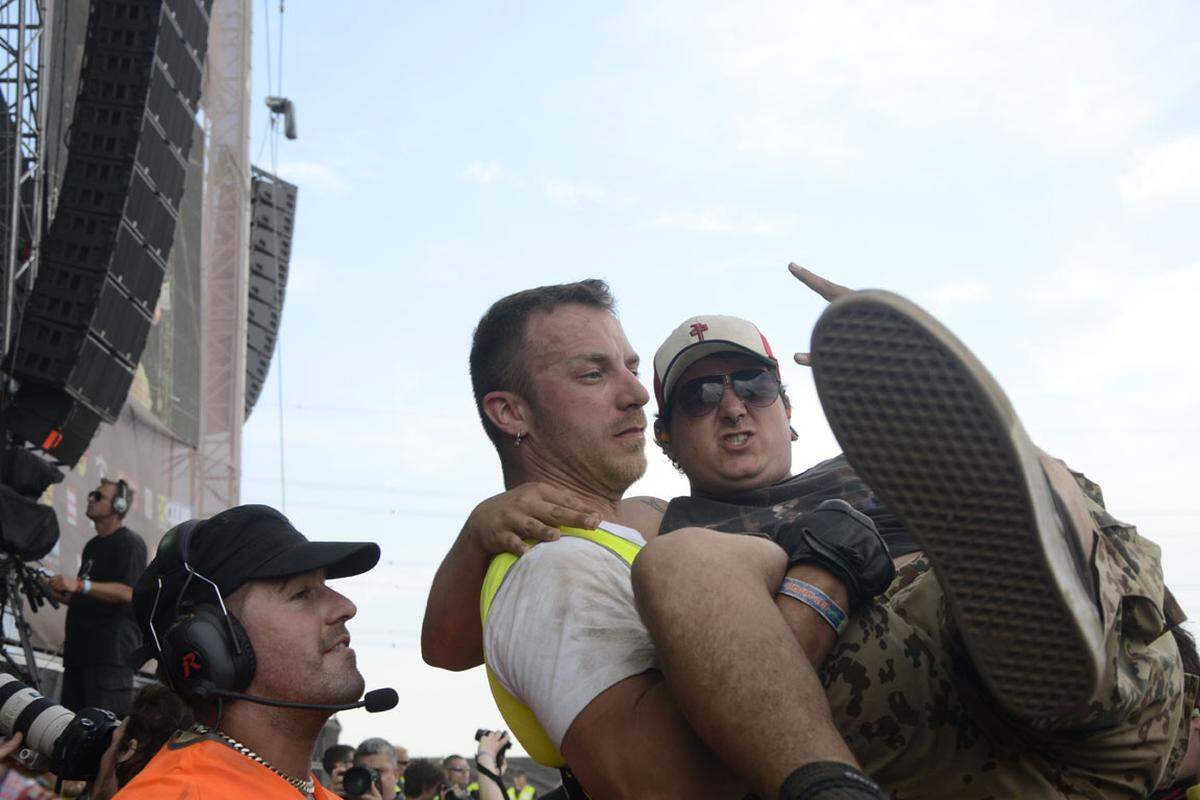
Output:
x=822 y=286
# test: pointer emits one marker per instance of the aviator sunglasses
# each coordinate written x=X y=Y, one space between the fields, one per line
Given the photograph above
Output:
x=699 y=396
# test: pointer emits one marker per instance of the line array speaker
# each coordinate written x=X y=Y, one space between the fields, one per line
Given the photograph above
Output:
x=272 y=223
x=103 y=257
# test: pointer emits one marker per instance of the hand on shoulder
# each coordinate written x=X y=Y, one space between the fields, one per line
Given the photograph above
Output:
x=500 y=524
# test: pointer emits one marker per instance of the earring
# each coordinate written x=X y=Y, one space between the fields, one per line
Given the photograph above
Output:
x=795 y=436
x=519 y=435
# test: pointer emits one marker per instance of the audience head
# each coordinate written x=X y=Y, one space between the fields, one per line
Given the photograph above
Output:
x=155 y=713
x=401 y=759
x=336 y=760
x=519 y=778
x=378 y=754
x=421 y=780
x=457 y=770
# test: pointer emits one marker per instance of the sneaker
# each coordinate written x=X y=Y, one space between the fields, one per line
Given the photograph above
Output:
x=932 y=433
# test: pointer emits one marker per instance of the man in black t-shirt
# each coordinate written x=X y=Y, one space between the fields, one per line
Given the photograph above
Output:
x=101 y=631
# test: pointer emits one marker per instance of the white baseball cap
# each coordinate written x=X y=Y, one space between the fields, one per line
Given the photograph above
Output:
x=705 y=336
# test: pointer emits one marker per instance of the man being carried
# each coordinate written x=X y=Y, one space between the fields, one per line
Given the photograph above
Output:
x=707 y=600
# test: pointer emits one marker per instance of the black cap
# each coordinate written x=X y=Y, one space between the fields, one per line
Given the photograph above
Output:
x=235 y=546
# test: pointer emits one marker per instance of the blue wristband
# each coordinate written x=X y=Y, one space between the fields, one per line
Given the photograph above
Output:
x=817 y=600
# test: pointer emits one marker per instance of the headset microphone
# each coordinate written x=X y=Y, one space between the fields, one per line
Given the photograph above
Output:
x=374 y=701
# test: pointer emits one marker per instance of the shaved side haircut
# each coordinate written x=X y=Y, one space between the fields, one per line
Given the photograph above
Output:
x=498 y=362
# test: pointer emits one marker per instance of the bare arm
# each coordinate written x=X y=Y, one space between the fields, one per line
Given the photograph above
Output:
x=111 y=592
x=814 y=635
x=633 y=742
x=452 y=633
x=485 y=757
x=114 y=592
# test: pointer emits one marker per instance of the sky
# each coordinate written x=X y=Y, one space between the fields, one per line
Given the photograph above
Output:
x=1029 y=173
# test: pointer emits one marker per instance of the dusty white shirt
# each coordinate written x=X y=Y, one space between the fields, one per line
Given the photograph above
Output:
x=563 y=628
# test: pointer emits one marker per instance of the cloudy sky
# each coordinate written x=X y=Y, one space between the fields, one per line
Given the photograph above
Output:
x=1028 y=172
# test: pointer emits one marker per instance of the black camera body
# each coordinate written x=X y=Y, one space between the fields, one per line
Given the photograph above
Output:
x=482 y=732
x=357 y=781
x=56 y=738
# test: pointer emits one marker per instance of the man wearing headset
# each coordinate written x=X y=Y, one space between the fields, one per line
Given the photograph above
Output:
x=101 y=634
x=237 y=611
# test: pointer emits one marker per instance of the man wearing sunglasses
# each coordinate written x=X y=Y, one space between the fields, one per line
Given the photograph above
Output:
x=918 y=719
x=708 y=600
x=101 y=633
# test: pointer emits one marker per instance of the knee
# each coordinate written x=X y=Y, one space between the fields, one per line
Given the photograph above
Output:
x=669 y=561
x=697 y=559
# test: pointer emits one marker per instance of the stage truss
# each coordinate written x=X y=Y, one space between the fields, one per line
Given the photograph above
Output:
x=225 y=257
x=23 y=47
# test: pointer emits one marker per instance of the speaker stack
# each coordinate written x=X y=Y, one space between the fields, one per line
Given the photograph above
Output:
x=104 y=255
x=272 y=222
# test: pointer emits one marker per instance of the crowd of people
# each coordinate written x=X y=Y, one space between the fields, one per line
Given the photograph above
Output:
x=388 y=772
x=384 y=770
x=942 y=611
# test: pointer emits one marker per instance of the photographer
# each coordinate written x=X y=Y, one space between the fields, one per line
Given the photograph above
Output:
x=101 y=633
x=154 y=716
x=335 y=761
x=492 y=765
x=378 y=758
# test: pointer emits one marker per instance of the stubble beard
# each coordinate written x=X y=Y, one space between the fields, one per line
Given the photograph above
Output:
x=595 y=463
x=604 y=471
x=346 y=685
x=620 y=474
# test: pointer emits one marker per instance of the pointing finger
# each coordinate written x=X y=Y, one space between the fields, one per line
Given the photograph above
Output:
x=822 y=286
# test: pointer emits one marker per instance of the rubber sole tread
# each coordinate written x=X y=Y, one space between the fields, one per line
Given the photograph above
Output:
x=927 y=438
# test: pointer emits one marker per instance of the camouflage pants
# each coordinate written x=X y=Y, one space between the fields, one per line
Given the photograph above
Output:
x=920 y=721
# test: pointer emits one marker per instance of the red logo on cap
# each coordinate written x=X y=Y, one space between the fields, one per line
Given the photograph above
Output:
x=698 y=329
x=190 y=662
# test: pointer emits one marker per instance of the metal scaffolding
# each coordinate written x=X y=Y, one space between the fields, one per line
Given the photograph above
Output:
x=225 y=259
x=21 y=150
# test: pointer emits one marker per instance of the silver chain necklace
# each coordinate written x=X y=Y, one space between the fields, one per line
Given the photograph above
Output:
x=304 y=785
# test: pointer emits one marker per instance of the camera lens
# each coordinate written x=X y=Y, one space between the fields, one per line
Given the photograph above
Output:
x=70 y=744
x=357 y=781
x=22 y=709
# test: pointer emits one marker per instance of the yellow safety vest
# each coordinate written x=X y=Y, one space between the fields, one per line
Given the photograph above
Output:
x=528 y=793
x=520 y=719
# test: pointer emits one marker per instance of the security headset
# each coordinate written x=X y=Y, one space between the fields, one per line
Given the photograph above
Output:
x=206 y=653
x=120 y=501
x=204 y=650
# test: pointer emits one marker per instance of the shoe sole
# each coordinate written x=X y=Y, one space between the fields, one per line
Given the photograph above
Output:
x=933 y=435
